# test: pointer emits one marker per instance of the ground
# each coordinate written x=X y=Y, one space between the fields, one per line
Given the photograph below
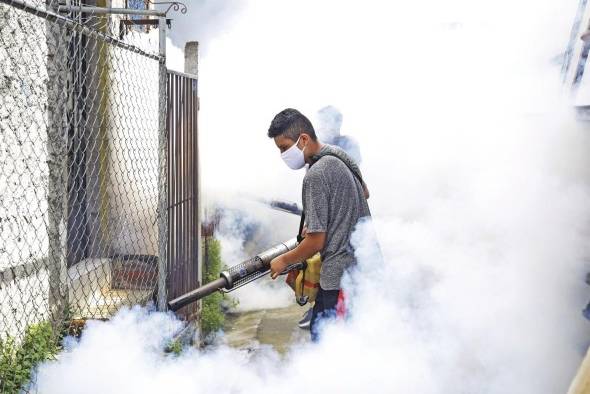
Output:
x=274 y=327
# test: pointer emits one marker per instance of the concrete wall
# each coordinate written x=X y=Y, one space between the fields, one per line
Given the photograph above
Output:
x=23 y=142
x=24 y=175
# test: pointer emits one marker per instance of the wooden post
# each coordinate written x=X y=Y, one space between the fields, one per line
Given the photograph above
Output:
x=191 y=58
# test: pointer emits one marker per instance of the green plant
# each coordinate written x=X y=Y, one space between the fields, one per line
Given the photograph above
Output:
x=68 y=327
x=17 y=359
x=174 y=347
x=212 y=317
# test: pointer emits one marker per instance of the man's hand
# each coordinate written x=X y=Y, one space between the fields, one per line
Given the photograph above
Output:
x=311 y=244
x=277 y=265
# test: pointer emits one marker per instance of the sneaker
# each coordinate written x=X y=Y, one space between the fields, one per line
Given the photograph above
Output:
x=305 y=323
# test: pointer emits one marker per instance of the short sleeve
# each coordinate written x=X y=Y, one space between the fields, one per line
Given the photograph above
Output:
x=315 y=200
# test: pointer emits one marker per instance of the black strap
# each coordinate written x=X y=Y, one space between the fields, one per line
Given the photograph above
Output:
x=301 y=223
x=356 y=175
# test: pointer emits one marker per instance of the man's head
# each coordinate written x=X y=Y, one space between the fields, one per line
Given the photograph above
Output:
x=329 y=123
x=292 y=131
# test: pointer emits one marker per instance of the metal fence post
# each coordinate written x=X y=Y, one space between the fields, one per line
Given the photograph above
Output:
x=191 y=66
x=57 y=170
x=163 y=173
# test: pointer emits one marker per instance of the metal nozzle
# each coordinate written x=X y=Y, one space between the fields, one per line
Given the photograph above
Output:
x=197 y=294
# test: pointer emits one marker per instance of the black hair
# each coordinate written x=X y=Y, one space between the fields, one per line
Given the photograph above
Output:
x=291 y=123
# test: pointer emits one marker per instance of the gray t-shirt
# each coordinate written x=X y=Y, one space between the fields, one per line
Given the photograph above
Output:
x=333 y=202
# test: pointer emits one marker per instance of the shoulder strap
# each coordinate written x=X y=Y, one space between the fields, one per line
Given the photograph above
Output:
x=356 y=175
x=301 y=223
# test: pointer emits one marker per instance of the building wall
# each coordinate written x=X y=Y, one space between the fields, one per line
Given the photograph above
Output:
x=24 y=175
x=23 y=150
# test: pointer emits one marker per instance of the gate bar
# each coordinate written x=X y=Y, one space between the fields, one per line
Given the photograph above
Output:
x=109 y=10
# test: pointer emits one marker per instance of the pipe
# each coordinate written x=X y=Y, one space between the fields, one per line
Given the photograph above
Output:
x=109 y=10
x=197 y=294
x=237 y=276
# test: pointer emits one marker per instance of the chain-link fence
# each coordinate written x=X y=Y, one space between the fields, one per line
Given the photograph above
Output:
x=82 y=176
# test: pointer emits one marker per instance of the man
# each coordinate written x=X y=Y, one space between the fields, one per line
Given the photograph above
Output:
x=328 y=130
x=329 y=123
x=334 y=200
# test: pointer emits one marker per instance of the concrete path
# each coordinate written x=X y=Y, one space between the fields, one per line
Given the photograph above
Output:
x=275 y=327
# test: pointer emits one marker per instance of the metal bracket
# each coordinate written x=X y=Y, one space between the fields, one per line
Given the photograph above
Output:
x=176 y=5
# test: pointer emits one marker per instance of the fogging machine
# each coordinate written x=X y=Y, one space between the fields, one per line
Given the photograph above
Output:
x=240 y=275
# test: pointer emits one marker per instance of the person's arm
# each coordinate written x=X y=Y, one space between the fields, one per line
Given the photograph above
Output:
x=366 y=190
x=311 y=244
x=316 y=202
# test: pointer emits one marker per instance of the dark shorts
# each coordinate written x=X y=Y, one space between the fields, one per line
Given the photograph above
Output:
x=324 y=308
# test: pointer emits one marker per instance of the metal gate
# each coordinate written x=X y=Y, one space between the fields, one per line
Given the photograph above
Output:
x=183 y=188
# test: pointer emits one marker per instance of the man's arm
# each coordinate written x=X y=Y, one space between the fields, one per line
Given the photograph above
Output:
x=315 y=199
x=311 y=244
x=366 y=190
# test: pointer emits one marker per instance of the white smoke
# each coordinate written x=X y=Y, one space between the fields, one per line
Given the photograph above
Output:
x=203 y=21
x=174 y=56
x=238 y=224
x=479 y=189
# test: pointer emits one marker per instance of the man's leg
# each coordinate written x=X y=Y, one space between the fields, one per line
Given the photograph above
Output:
x=324 y=307
x=305 y=322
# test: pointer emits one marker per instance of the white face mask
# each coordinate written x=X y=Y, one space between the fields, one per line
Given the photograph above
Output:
x=293 y=157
